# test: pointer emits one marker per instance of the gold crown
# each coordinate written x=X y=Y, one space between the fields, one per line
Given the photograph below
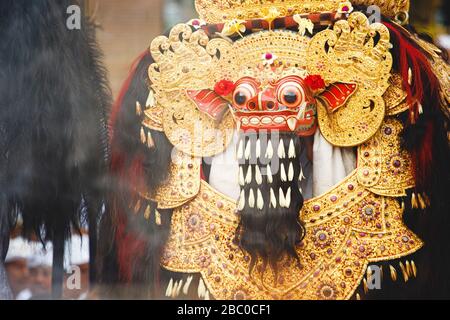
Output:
x=217 y=11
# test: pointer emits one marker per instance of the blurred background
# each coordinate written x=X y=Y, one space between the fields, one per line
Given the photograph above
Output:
x=125 y=28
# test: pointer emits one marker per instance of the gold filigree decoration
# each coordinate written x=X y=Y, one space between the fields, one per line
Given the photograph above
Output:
x=183 y=61
x=182 y=185
x=153 y=118
x=350 y=54
x=217 y=11
x=347 y=228
x=395 y=96
x=383 y=167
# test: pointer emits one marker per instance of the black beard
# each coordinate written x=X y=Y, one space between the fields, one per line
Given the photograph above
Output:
x=270 y=227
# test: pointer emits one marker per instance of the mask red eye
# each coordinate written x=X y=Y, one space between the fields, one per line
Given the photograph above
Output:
x=242 y=94
x=290 y=94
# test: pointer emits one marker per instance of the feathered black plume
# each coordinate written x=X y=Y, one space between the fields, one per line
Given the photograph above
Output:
x=53 y=119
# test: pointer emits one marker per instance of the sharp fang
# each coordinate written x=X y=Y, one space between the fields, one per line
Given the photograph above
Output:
x=251 y=199
x=291 y=152
x=301 y=190
x=269 y=151
x=260 y=200
x=240 y=153
x=302 y=176
x=258 y=149
x=241 y=177
x=174 y=290
x=281 y=151
x=258 y=176
x=248 y=178
x=207 y=295
x=247 y=150
x=292 y=123
x=187 y=285
x=288 y=198
x=291 y=172
x=269 y=174
x=301 y=111
x=283 y=173
x=282 y=199
x=169 y=288
x=273 y=199
x=241 y=204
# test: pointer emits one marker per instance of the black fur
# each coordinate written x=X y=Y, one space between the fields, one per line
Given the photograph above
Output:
x=53 y=115
x=270 y=234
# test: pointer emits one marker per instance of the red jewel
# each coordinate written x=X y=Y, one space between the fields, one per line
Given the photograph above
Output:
x=195 y=23
x=269 y=56
x=345 y=9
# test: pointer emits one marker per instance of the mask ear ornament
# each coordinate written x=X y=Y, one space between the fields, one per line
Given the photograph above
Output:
x=210 y=103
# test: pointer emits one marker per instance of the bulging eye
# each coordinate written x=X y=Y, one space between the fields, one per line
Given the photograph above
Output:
x=290 y=94
x=242 y=94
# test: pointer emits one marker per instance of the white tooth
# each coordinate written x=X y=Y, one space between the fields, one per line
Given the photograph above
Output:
x=281 y=151
x=241 y=177
x=273 y=199
x=292 y=123
x=301 y=190
x=187 y=285
x=283 y=173
x=240 y=153
x=269 y=174
x=251 y=199
x=260 y=200
x=174 y=290
x=258 y=149
x=288 y=198
x=169 y=288
x=282 y=199
x=291 y=172
x=269 y=151
x=291 y=152
x=248 y=178
x=247 y=150
x=258 y=176
x=301 y=177
x=207 y=295
x=241 y=204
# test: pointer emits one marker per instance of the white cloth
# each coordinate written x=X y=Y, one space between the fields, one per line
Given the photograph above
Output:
x=225 y=171
x=330 y=164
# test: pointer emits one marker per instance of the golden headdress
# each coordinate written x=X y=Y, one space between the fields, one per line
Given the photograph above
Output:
x=216 y=11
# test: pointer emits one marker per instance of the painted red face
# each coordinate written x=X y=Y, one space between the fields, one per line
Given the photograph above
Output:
x=285 y=105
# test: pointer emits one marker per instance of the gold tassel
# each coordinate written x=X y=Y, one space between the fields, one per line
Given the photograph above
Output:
x=157 y=218
x=381 y=273
x=138 y=109
x=393 y=273
x=408 y=268
x=403 y=206
x=426 y=199
x=413 y=269
x=405 y=274
x=137 y=207
x=147 y=213
x=150 y=142
x=414 y=204
x=366 y=288
x=422 y=203
x=143 y=136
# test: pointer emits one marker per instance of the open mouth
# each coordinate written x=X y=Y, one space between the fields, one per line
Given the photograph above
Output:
x=283 y=120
